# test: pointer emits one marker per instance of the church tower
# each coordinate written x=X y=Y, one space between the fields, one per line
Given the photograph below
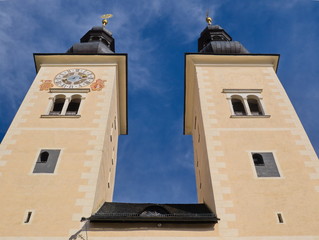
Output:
x=255 y=166
x=257 y=174
x=58 y=158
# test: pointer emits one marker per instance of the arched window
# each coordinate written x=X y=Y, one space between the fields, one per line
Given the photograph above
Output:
x=74 y=105
x=152 y=211
x=238 y=107
x=265 y=164
x=258 y=160
x=46 y=161
x=44 y=157
x=246 y=103
x=57 y=105
x=254 y=106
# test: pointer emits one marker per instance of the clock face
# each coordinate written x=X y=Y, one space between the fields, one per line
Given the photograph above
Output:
x=74 y=78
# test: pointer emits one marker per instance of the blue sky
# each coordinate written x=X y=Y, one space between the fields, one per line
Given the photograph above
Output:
x=155 y=161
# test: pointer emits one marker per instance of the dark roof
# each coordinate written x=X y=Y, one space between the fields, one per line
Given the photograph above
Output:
x=96 y=41
x=214 y=39
x=223 y=47
x=150 y=212
x=89 y=47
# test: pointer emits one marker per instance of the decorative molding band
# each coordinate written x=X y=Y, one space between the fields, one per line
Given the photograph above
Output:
x=69 y=90
x=234 y=65
x=77 y=64
x=242 y=90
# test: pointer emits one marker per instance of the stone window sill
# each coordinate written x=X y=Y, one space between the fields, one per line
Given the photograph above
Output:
x=249 y=116
x=60 y=116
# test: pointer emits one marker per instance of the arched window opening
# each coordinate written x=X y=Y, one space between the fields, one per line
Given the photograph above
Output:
x=73 y=106
x=154 y=211
x=238 y=107
x=254 y=106
x=44 y=156
x=258 y=160
x=58 y=105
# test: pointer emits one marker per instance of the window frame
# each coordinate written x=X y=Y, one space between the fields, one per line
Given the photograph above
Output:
x=253 y=166
x=74 y=98
x=25 y=217
x=244 y=95
x=242 y=101
x=54 y=102
x=69 y=94
x=259 y=105
x=37 y=161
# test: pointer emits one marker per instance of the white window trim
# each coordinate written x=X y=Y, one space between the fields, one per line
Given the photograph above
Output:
x=31 y=173
x=69 y=90
x=68 y=96
x=239 y=91
x=65 y=105
x=274 y=152
x=26 y=215
x=282 y=216
x=243 y=94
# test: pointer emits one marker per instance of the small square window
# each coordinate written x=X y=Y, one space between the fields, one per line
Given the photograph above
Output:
x=265 y=164
x=46 y=161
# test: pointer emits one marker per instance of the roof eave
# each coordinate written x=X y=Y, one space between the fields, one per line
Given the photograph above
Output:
x=139 y=219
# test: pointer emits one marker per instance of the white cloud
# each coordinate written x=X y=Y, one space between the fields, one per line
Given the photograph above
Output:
x=188 y=17
x=134 y=18
x=47 y=26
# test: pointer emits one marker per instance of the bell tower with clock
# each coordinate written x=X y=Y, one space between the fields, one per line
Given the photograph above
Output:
x=63 y=140
x=255 y=167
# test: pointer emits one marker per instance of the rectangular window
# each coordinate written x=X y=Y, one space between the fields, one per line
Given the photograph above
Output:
x=265 y=164
x=46 y=161
x=109 y=179
x=280 y=218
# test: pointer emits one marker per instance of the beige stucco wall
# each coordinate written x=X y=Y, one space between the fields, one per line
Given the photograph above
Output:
x=105 y=181
x=80 y=181
x=225 y=175
x=201 y=163
x=248 y=205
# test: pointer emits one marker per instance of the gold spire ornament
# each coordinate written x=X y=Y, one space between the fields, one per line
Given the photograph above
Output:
x=209 y=20
x=105 y=18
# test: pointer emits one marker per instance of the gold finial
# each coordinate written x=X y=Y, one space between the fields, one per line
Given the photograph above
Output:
x=209 y=20
x=105 y=17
